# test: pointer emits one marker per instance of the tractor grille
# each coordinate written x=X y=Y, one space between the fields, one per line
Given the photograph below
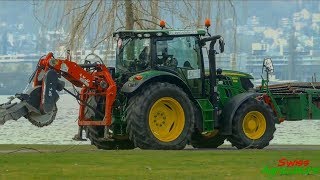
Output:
x=246 y=83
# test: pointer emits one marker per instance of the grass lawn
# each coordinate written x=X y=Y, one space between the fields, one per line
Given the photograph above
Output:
x=86 y=162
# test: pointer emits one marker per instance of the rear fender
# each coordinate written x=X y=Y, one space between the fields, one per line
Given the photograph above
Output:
x=133 y=84
x=229 y=111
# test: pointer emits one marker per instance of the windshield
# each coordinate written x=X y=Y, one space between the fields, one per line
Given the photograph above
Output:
x=133 y=54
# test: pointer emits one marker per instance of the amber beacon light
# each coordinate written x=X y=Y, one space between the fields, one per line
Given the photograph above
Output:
x=162 y=24
x=207 y=22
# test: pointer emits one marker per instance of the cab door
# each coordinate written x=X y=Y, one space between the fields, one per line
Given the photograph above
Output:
x=182 y=55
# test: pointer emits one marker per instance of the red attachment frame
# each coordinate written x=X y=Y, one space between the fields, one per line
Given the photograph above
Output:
x=88 y=81
x=266 y=98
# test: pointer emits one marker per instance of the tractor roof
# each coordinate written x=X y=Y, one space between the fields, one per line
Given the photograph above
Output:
x=159 y=32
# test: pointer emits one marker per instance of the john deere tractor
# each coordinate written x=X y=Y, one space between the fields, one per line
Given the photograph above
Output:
x=167 y=97
x=162 y=94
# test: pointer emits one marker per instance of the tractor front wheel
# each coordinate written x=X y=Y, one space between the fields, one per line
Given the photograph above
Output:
x=253 y=125
x=160 y=117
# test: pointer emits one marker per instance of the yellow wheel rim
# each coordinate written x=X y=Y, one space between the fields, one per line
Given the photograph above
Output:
x=254 y=125
x=166 y=119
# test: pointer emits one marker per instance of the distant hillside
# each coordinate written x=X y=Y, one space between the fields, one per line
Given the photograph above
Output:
x=269 y=11
x=17 y=12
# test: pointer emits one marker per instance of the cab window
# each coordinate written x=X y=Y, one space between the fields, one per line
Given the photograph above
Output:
x=178 y=52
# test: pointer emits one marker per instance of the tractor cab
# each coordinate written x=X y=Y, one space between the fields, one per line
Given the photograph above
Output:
x=174 y=51
x=141 y=49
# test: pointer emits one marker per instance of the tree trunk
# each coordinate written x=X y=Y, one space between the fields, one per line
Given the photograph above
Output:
x=199 y=15
x=129 y=15
x=154 y=12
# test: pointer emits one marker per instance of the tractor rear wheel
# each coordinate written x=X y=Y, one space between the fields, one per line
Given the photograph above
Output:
x=210 y=140
x=95 y=134
x=160 y=117
x=253 y=125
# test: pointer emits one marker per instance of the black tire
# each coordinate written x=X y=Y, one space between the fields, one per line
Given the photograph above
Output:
x=239 y=139
x=95 y=134
x=199 y=140
x=137 y=117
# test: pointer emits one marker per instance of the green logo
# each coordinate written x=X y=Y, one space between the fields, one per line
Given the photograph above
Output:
x=291 y=167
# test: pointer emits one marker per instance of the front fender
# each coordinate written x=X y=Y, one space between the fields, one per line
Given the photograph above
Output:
x=229 y=111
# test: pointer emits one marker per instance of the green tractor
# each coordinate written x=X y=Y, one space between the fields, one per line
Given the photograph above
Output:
x=169 y=97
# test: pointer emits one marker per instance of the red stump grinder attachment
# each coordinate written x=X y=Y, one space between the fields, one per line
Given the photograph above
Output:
x=38 y=104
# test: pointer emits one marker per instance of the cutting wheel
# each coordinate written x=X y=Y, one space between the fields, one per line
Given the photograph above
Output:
x=41 y=120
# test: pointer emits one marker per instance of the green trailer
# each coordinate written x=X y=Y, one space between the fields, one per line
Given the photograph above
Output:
x=293 y=106
x=292 y=101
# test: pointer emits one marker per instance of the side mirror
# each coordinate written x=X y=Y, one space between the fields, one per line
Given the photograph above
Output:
x=213 y=40
x=268 y=65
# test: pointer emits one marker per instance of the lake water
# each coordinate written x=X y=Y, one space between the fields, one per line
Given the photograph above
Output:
x=65 y=126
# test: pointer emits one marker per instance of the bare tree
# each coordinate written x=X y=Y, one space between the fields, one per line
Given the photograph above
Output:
x=95 y=20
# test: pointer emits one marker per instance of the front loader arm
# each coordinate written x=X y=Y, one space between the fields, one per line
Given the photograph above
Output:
x=68 y=69
x=99 y=82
